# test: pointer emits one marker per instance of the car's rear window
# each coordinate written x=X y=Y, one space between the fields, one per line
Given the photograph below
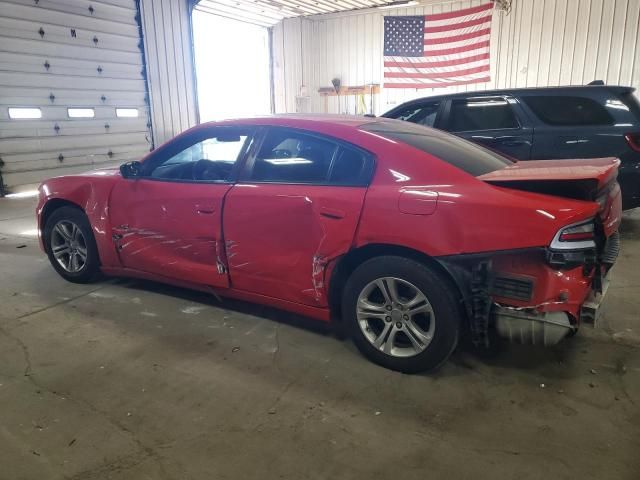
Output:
x=456 y=151
x=565 y=110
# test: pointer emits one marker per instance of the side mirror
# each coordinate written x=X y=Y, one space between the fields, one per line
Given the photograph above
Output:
x=131 y=169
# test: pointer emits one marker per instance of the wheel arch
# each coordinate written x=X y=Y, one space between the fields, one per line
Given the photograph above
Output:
x=54 y=204
x=346 y=264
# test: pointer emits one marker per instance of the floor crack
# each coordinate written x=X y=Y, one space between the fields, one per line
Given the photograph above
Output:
x=57 y=304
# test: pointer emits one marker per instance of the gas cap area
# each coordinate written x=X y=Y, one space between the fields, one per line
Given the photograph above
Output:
x=418 y=201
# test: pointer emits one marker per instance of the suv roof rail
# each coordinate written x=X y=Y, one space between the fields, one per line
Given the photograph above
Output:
x=596 y=82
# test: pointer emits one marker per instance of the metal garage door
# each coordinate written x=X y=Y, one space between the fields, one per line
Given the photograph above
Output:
x=75 y=70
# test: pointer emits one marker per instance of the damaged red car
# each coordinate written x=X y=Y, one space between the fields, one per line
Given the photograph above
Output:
x=405 y=235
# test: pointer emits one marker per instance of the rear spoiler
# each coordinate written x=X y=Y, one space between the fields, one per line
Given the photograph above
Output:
x=616 y=88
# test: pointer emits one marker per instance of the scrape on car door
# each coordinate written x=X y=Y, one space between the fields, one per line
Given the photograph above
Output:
x=169 y=221
x=296 y=209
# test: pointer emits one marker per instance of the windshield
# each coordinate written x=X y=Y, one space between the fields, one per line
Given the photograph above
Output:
x=467 y=156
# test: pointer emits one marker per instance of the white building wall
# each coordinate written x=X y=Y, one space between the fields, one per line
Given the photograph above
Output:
x=540 y=43
x=166 y=26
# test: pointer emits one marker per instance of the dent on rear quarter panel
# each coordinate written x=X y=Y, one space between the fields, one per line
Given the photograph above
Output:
x=91 y=193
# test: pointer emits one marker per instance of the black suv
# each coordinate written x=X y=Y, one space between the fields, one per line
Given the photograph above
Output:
x=543 y=123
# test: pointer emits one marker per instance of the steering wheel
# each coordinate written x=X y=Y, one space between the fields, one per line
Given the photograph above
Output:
x=207 y=170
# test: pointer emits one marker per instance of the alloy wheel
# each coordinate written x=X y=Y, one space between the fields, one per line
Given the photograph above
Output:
x=395 y=316
x=68 y=245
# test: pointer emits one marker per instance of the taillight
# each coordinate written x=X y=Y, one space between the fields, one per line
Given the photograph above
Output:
x=577 y=236
x=633 y=139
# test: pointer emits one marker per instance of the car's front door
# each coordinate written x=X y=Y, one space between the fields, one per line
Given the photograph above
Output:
x=168 y=221
x=296 y=208
x=498 y=123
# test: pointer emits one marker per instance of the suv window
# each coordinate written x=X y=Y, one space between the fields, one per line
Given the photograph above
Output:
x=422 y=114
x=452 y=149
x=481 y=114
x=210 y=159
x=289 y=156
x=561 y=110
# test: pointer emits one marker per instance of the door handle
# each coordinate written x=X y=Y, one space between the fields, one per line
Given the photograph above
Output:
x=512 y=141
x=333 y=213
x=205 y=209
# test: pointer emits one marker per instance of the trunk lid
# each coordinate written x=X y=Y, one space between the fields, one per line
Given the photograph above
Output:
x=591 y=180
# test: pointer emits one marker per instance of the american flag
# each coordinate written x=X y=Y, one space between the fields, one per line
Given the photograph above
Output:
x=438 y=50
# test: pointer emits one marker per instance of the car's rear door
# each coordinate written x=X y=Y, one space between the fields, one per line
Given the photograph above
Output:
x=578 y=125
x=496 y=122
x=168 y=222
x=296 y=208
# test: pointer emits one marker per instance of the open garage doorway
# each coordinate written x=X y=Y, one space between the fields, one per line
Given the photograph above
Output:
x=232 y=67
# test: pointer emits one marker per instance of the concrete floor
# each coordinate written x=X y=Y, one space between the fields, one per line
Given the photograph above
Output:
x=132 y=380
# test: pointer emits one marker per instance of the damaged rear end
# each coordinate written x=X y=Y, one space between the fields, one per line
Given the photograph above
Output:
x=540 y=295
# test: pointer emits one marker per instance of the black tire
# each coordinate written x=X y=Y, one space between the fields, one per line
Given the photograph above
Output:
x=440 y=295
x=91 y=268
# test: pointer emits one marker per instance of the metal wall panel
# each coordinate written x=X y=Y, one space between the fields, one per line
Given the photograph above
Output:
x=69 y=53
x=166 y=28
x=541 y=43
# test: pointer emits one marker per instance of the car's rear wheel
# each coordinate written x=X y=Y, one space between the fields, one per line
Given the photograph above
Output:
x=401 y=314
x=71 y=246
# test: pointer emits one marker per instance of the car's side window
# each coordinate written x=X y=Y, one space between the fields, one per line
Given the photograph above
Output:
x=291 y=156
x=288 y=156
x=349 y=167
x=481 y=114
x=210 y=159
x=565 y=110
x=422 y=114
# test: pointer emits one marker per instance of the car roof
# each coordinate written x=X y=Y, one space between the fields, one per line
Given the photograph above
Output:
x=299 y=120
x=529 y=91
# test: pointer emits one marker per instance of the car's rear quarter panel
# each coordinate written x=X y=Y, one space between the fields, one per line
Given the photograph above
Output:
x=470 y=215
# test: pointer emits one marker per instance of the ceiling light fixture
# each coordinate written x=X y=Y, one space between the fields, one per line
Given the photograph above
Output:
x=398 y=4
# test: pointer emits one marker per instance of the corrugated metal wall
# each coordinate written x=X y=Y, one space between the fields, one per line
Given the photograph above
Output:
x=69 y=53
x=541 y=43
x=167 y=41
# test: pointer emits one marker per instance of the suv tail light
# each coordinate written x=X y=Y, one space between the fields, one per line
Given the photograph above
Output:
x=633 y=139
x=577 y=236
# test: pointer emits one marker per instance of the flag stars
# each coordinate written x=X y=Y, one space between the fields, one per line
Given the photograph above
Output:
x=404 y=36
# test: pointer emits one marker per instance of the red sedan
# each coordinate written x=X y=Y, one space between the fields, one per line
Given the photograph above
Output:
x=406 y=235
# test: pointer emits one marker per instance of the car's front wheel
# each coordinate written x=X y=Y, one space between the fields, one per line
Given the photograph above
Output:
x=71 y=246
x=401 y=314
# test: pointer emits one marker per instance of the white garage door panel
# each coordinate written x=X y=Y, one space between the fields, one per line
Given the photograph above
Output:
x=101 y=11
x=27 y=160
x=86 y=160
x=42 y=80
x=66 y=128
x=22 y=145
x=34 y=177
x=13 y=28
x=61 y=81
x=45 y=47
x=60 y=115
x=111 y=70
x=76 y=98
x=56 y=71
